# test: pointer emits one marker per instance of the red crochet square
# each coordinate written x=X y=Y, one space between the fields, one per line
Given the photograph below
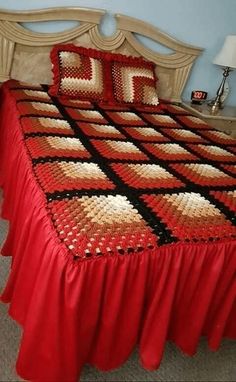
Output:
x=127 y=118
x=204 y=174
x=169 y=151
x=183 y=135
x=90 y=116
x=228 y=198
x=40 y=147
x=46 y=125
x=190 y=216
x=43 y=109
x=100 y=131
x=76 y=103
x=174 y=109
x=63 y=176
x=134 y=80
x=146 y=175
x=161 y=120
x=231 y=168
x=79 y=72
x=101 y=225
x=193 y=122
x=145 y=134
x=212 y=152
x=219 y=137
x=118 y=150
x=31 y=95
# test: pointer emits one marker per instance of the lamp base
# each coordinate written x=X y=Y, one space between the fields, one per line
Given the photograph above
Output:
x=214 y=110
x=217 y=102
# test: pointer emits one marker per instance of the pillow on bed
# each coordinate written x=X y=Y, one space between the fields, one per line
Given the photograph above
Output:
x=79 y=72
x=134 y=80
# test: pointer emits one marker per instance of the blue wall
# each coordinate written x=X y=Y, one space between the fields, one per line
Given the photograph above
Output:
x=203 y=23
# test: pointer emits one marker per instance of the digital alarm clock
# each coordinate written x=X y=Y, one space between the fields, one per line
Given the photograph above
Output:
x=198 y=96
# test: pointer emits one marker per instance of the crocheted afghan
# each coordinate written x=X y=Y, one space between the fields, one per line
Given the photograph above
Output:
x=119 y=179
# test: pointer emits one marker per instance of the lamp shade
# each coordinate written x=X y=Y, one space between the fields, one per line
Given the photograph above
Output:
x=227 y=54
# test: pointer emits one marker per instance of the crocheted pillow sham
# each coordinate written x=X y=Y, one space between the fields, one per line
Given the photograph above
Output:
x=133 y=80
x=79 y=72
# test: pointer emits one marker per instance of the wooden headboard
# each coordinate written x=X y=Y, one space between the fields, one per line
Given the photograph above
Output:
x=24 y=54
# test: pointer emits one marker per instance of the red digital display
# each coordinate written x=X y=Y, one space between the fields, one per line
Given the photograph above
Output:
x=198 y=96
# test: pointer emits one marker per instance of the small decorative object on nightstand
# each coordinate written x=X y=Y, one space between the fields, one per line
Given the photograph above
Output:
x=227 y=59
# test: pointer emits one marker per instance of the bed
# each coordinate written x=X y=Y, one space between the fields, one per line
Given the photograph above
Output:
x=121 y=214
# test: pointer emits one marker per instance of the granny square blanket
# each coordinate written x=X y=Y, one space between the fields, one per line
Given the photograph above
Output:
x=119 y=180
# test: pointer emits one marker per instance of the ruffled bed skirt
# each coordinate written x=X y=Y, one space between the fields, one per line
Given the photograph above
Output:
x=97 y=311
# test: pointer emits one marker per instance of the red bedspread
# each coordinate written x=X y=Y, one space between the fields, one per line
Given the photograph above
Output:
x=122 y=231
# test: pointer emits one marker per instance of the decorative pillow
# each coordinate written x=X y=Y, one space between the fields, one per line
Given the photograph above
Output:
x=79 y=72
x=134 y=80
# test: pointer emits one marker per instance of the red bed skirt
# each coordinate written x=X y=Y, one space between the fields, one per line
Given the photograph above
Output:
x=97 y=311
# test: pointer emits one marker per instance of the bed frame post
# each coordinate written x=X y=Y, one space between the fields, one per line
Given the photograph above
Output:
x=6 y=56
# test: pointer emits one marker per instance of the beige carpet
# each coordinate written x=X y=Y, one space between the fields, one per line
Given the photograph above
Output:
x=205 y=366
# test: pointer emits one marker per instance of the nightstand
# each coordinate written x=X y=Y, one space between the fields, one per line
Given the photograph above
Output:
x=224 y=119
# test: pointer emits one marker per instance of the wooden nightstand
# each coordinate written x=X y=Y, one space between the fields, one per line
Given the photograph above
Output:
x=224 y=119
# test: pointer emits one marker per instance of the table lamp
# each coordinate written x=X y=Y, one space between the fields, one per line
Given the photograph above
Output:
x=227 y=59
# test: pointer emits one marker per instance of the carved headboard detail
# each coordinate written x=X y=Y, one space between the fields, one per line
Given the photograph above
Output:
x=24 y=54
